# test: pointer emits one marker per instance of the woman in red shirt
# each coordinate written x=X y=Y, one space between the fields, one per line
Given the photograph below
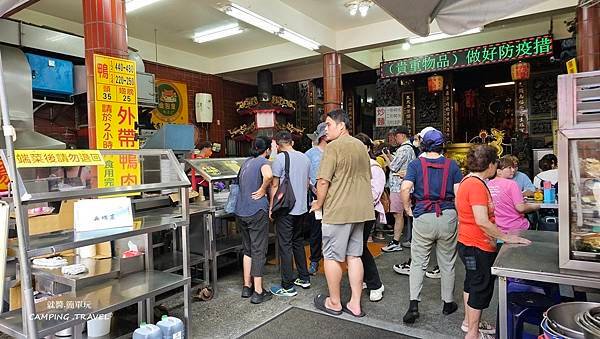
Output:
x=477 y=235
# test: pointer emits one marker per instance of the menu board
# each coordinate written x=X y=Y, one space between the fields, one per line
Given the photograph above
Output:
x=211 y=169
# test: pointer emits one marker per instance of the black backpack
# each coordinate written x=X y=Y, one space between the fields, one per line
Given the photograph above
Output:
x=284 y=199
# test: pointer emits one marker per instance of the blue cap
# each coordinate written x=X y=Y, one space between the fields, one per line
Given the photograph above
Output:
x=432 y=139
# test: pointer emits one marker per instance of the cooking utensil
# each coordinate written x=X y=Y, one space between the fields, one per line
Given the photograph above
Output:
x=562 y=316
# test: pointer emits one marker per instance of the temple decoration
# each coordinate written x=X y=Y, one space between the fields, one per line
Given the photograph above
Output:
x=459 y=151
x=277 y=105
x=247 y=132
x=520 y=71
x=435 y=83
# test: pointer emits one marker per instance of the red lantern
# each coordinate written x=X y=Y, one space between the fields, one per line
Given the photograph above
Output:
x=520 y=71
x=435 y=83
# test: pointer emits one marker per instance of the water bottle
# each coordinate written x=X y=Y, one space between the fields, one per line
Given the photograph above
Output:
x=549 y=193
x=147 y=331
x=171 y=327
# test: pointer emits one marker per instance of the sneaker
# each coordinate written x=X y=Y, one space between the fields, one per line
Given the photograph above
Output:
x=377 y=294
x=406 y=244
x=279 y=291
x=313 y=268
x=261 y=298
x=486 y=336
x=434 y=273
x=403 y=268
x=247 y=291
x=392 y=247
x=449 y=308
x=412 y=314
x=302 y=283
x=484 y=328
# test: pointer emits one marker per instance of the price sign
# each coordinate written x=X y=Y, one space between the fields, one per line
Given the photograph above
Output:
x=116 y=103
x=388 y=116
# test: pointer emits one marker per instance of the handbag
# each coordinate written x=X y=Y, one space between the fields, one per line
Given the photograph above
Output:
x=284 y=199
x=234 y=193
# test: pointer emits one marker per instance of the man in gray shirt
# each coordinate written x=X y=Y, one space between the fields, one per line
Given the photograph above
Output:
x=289 y=228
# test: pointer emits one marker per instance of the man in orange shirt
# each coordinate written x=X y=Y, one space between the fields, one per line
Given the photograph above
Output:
x=477 y=236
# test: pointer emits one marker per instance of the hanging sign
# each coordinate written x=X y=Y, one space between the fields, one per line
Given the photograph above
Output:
x=467 y=57
x=57 y=158
x=4 y=179
x=116 y=103
x=388 y=116
x=172 y=103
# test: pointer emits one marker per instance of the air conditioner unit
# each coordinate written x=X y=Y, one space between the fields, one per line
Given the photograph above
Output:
x=204 y=107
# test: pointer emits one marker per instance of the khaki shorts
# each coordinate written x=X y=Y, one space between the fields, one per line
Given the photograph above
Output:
x=342 y=240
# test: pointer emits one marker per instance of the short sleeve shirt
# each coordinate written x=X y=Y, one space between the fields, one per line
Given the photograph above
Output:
x=473 y=192
x=314 y=155
x=346 y=166
x=414 y=174
x=523 y=182
x=506 y=195
x=299 y=172
x=404 y=155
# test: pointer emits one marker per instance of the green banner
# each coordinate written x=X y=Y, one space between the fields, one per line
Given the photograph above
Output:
x=467 y=57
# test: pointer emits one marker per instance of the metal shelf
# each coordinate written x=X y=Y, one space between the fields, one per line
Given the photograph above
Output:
x=103 y=298
x=50 y=243
x=99 y=270
x=173 y=261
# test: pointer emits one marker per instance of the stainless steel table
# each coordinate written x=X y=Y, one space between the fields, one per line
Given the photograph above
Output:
x=537 y=262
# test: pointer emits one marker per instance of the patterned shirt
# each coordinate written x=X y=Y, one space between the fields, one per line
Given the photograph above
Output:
x=404 y=155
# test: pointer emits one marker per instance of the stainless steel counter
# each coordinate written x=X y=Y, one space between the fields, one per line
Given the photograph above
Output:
x=537 y=262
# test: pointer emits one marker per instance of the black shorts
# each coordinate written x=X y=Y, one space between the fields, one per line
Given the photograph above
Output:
x=479 y=281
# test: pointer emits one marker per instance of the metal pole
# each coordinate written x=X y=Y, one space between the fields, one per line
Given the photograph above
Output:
x=11 y=166
x=502 y=308
x=185 y=247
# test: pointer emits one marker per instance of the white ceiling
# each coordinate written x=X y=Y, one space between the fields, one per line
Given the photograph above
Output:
x=175 y=21
x=333 y=13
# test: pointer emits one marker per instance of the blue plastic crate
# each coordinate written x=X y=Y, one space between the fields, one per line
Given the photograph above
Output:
x=50 y=75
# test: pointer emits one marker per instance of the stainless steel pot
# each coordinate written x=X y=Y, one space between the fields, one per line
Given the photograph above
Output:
x=562 y=317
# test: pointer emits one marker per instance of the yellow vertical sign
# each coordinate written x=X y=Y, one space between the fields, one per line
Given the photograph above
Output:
x=116 y=120
x=116 y=103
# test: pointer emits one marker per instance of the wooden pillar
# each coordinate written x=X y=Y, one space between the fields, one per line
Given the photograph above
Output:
x=105 y=32
x=332 y=81
x=588 y=38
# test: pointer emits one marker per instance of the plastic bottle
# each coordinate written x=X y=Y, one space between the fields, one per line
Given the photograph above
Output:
x=171 y=327
x=549 y=193
x=147 y=331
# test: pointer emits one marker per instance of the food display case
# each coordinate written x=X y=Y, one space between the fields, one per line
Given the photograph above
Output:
x=579 y=171
x=218 y=173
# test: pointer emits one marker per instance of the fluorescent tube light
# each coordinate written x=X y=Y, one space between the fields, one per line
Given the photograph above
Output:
x=439 y=36
x=217 y=33
x=252 y=18
x=132 y=5
x=299 y=39
x=498 y=84
x=265 y=24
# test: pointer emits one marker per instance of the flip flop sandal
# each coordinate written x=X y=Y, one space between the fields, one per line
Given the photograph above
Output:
x=320 y=304
x=347 y=310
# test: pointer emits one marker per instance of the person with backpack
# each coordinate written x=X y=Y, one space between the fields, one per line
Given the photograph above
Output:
x=434 y=179
x=397 y=165
x=288 y=218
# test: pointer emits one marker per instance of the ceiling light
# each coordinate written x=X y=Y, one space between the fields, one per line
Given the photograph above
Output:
x=218 y=33
x=439 y=36
x=363 y=7
x=498 y=84
x=132 y=5
x=298 y=39
x=353 y=8
x=265 y=24
x=406 y=46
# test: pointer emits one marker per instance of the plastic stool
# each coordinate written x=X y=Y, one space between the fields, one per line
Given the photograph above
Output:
x=526 y=307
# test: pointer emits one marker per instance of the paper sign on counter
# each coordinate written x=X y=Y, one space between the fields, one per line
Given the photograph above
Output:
x=95 y=214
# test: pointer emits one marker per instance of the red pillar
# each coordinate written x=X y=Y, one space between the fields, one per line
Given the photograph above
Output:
x=105 y=32
x=332 y=81
x=588 y=38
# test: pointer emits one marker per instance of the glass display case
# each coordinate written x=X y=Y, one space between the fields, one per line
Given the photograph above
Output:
x=218 y=173
x=579 y=171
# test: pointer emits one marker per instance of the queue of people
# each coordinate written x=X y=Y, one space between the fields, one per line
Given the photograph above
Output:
x=340 y=186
